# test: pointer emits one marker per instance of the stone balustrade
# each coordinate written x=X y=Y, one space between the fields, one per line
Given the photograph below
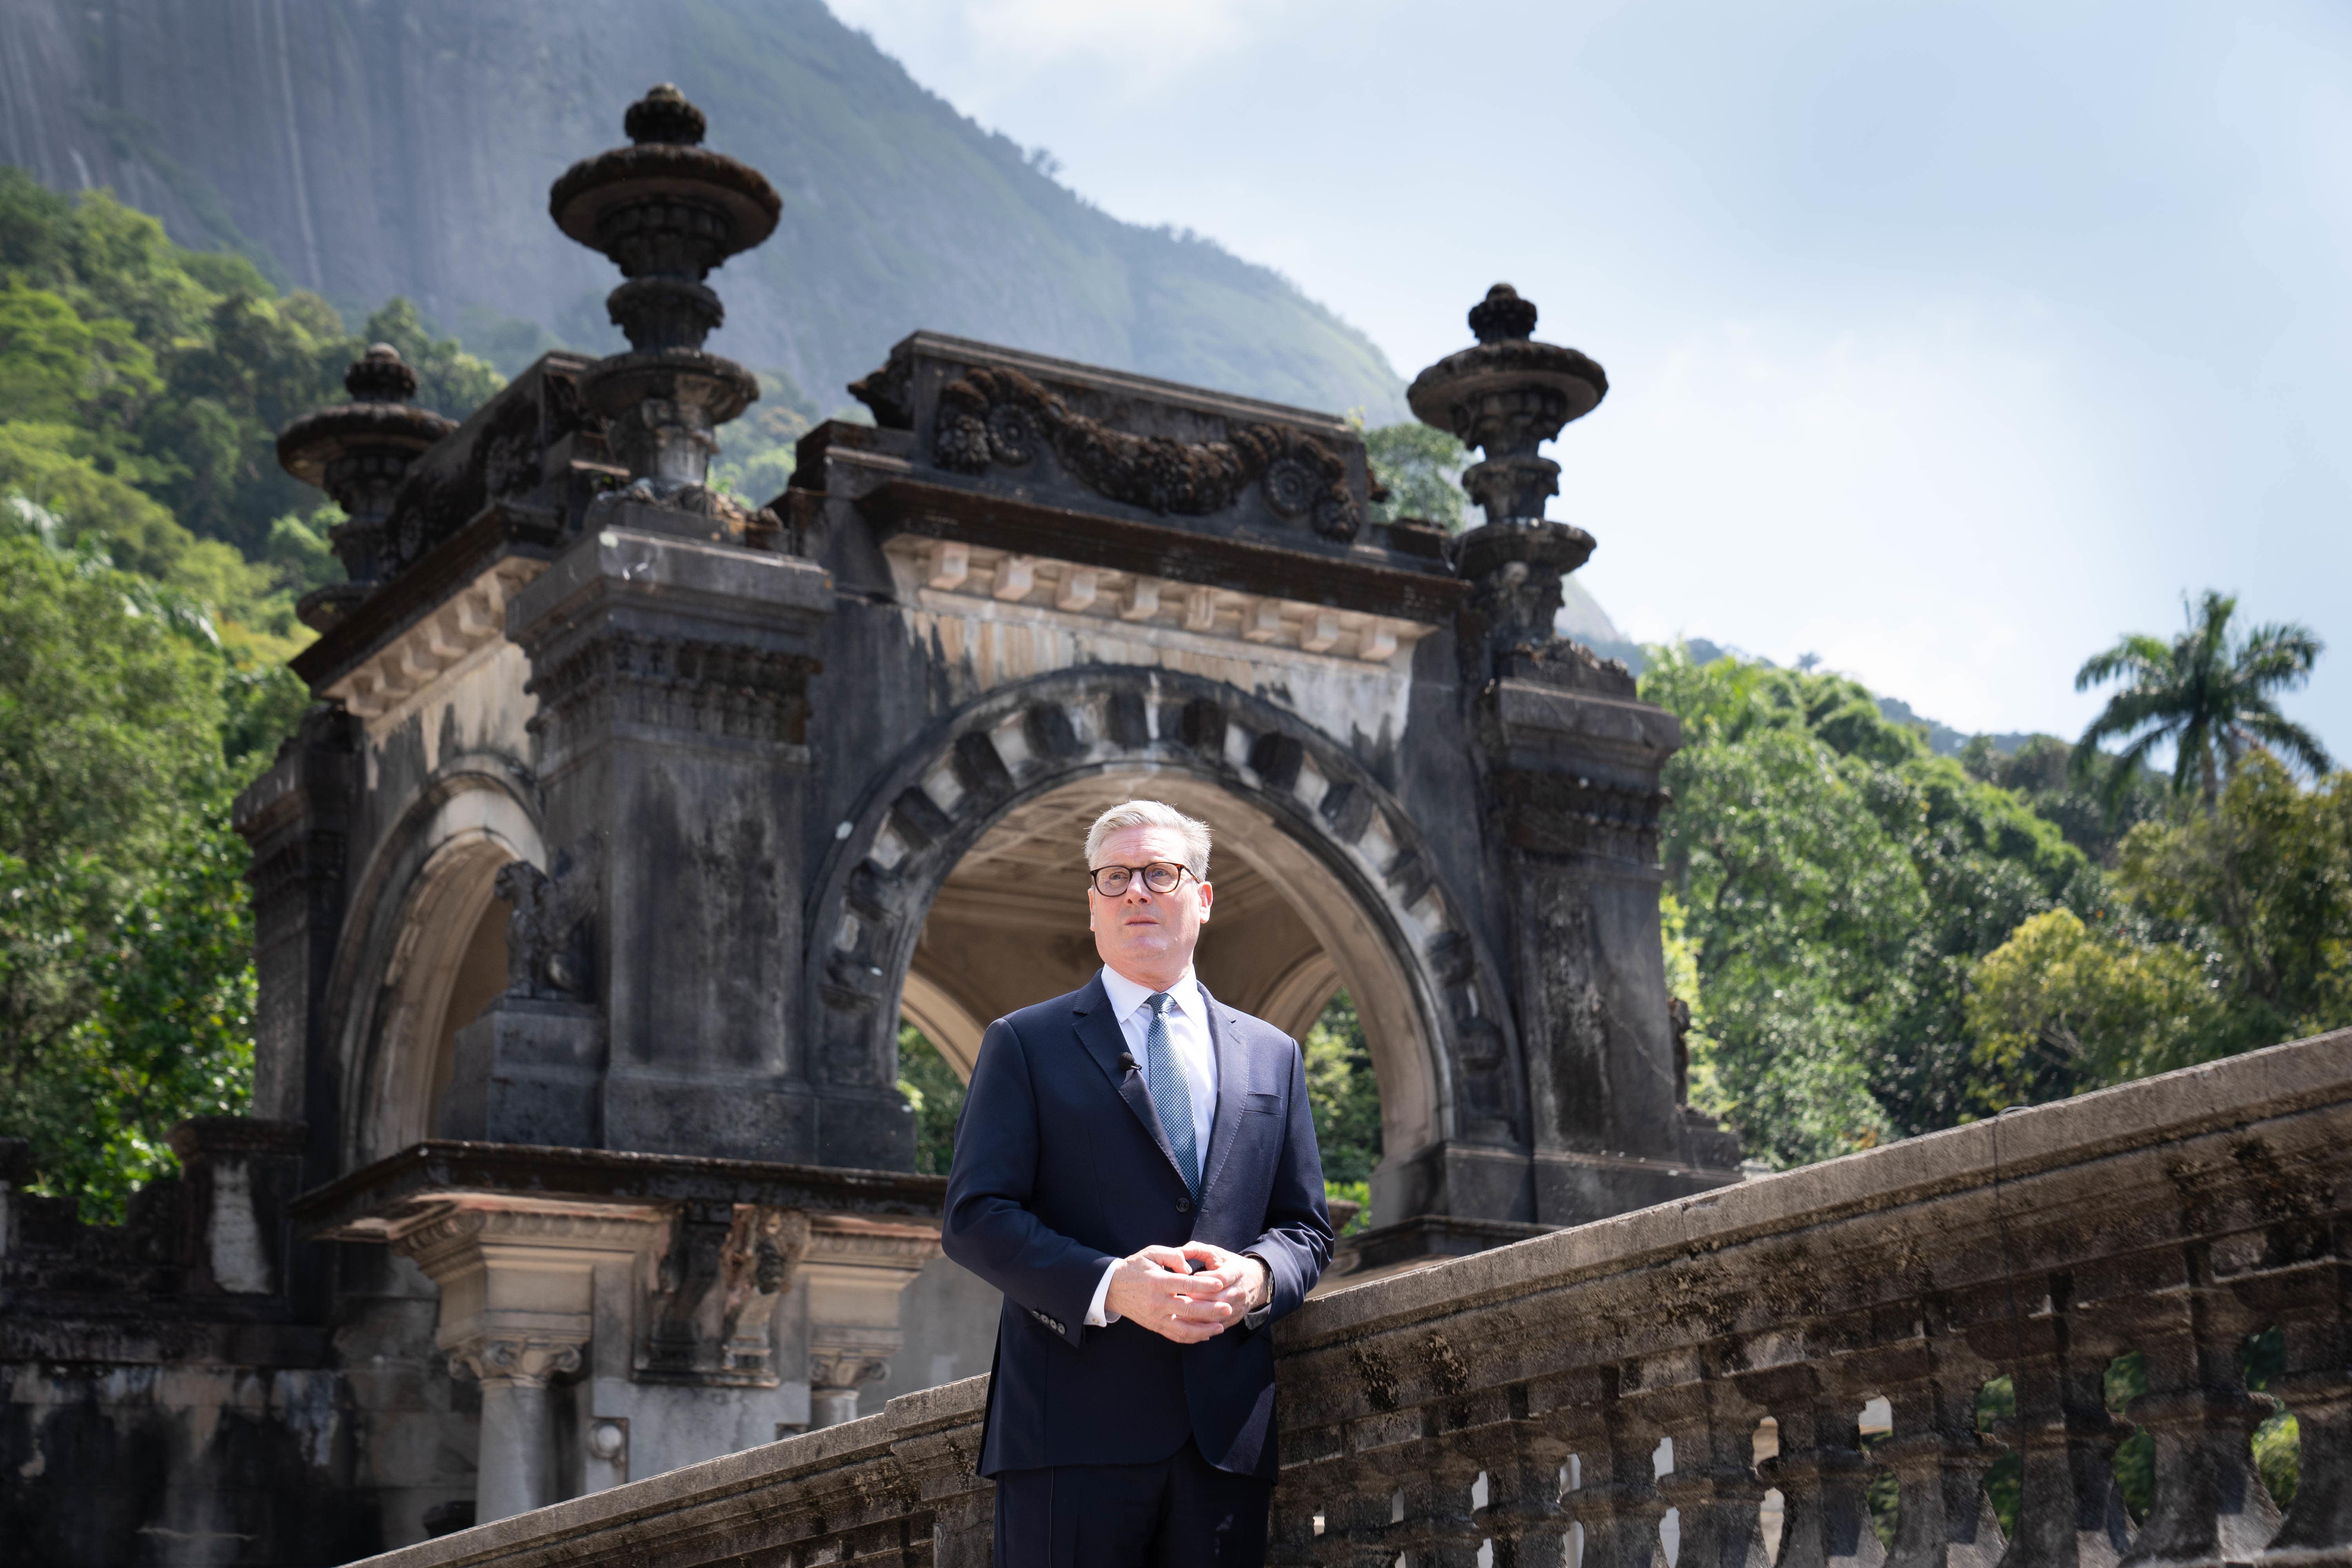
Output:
x=1559 y=1401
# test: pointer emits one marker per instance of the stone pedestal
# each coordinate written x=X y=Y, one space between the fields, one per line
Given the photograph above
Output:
x=296 y=816
x=671 y=676
x=627 y=1313
x=238 y=1173
x=526 y=1071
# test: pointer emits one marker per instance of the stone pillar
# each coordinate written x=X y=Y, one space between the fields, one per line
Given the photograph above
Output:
x=1570 y=762
x=516 y=1464
x=671 y=677
x=517 y=1312
x=854 y=1271
x=529 y=1068
x=296 y=816
x=670 y=654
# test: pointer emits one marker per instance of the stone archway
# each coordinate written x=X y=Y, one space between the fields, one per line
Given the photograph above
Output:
x=427 y=951
x=1008 y=926
x=1305 y=834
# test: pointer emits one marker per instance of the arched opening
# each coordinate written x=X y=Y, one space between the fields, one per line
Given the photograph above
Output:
x=479 y=978
x=437 y=940
x=1008 y=927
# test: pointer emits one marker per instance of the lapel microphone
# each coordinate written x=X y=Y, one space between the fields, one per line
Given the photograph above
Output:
x=1127 y=1061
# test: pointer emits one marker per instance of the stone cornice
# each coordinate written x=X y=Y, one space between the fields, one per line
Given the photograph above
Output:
x=951 y=575
x=405 y=665
x=366 y=1204
x=1364 y=581
x=500 y=533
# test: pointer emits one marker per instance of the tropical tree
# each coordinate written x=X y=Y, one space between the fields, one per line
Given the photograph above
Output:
x=2212 y=695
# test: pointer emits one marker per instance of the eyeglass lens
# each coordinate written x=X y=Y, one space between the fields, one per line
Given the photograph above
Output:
x=1160 y=876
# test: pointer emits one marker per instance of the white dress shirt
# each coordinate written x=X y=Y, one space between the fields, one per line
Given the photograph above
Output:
x=1196 y=1056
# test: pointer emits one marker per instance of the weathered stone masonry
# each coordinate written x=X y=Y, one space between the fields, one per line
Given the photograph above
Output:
x=635 y=817
x=1601 y=1396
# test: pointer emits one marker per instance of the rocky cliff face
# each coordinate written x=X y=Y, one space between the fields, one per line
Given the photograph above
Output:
x=367 y=148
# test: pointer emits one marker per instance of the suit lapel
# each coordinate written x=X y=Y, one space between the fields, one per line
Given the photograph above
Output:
x=1233 y=1082
x=1099 y=1033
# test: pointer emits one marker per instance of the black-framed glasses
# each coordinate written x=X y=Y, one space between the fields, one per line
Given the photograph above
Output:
x=1160 y=877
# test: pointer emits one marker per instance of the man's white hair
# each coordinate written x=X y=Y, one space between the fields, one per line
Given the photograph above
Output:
x=1152 y=814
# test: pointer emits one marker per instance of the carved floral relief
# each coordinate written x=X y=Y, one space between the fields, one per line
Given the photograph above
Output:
x=1002 y=418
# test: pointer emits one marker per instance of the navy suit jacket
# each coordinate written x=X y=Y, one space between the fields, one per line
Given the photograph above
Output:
x=1061 y=1165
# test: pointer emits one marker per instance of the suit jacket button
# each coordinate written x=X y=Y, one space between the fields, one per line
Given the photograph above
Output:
x=1183 y=1206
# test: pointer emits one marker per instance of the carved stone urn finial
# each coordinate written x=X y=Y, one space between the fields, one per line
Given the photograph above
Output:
x=1507 y=395
x=666 y=210
x=358 y=452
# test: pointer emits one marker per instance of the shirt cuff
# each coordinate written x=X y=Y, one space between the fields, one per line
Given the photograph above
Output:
x=1256 y=1316
x=1098 y=1313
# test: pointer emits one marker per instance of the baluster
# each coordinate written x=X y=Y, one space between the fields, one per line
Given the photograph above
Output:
x=1290 y=1538
x=1617 y=1500
x=2209 y=1505
x=1359 y=1517
x=1714 y=1484
x=2305 y=1298
x=1523 y=1515
x=1435 y=1530
x=1939 y=1460
x=2071 y=1513
x=1819 y=1469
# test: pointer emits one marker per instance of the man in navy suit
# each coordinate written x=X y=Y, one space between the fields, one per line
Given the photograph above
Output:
x=1135 y=1169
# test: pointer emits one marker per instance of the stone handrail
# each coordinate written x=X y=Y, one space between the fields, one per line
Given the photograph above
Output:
x=1497 y=1407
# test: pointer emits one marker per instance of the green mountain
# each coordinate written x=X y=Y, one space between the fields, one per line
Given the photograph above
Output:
x=361 y=151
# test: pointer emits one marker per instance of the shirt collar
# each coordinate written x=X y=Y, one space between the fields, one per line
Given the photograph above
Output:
x=1126 y=996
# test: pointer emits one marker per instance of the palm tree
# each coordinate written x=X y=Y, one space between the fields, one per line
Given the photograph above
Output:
x=2210 y=695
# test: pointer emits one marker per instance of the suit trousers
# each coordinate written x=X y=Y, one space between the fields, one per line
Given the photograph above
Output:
x=1177 y=1512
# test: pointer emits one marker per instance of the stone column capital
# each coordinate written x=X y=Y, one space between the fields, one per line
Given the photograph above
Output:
x=531 y=1360
x=842 y=1367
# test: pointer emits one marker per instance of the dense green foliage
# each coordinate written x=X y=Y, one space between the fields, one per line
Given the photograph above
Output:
x=151 y=552
x=1345 y=1096
x=2093 y=801
x=935 y=1094
x=1836 y=879
x=142 y=385
x=126 y=979
x=1877 y=941
x=2233 y=929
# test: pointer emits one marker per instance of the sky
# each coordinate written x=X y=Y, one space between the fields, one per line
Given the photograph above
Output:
x=1946 y=341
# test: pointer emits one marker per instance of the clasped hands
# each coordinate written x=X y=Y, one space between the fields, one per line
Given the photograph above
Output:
x=1157 y=1289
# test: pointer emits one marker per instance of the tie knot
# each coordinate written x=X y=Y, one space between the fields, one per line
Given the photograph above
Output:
x=1160 y=1001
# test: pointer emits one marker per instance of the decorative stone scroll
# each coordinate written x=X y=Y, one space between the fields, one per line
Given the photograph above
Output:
x=716 y=1293
x=548 y=941
x=1002 y=418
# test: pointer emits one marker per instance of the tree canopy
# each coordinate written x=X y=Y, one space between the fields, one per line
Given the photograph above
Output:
x=151 y=552
x=2210 y=694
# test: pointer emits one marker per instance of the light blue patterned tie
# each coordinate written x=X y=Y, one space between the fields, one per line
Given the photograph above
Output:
x=1169 y=1096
